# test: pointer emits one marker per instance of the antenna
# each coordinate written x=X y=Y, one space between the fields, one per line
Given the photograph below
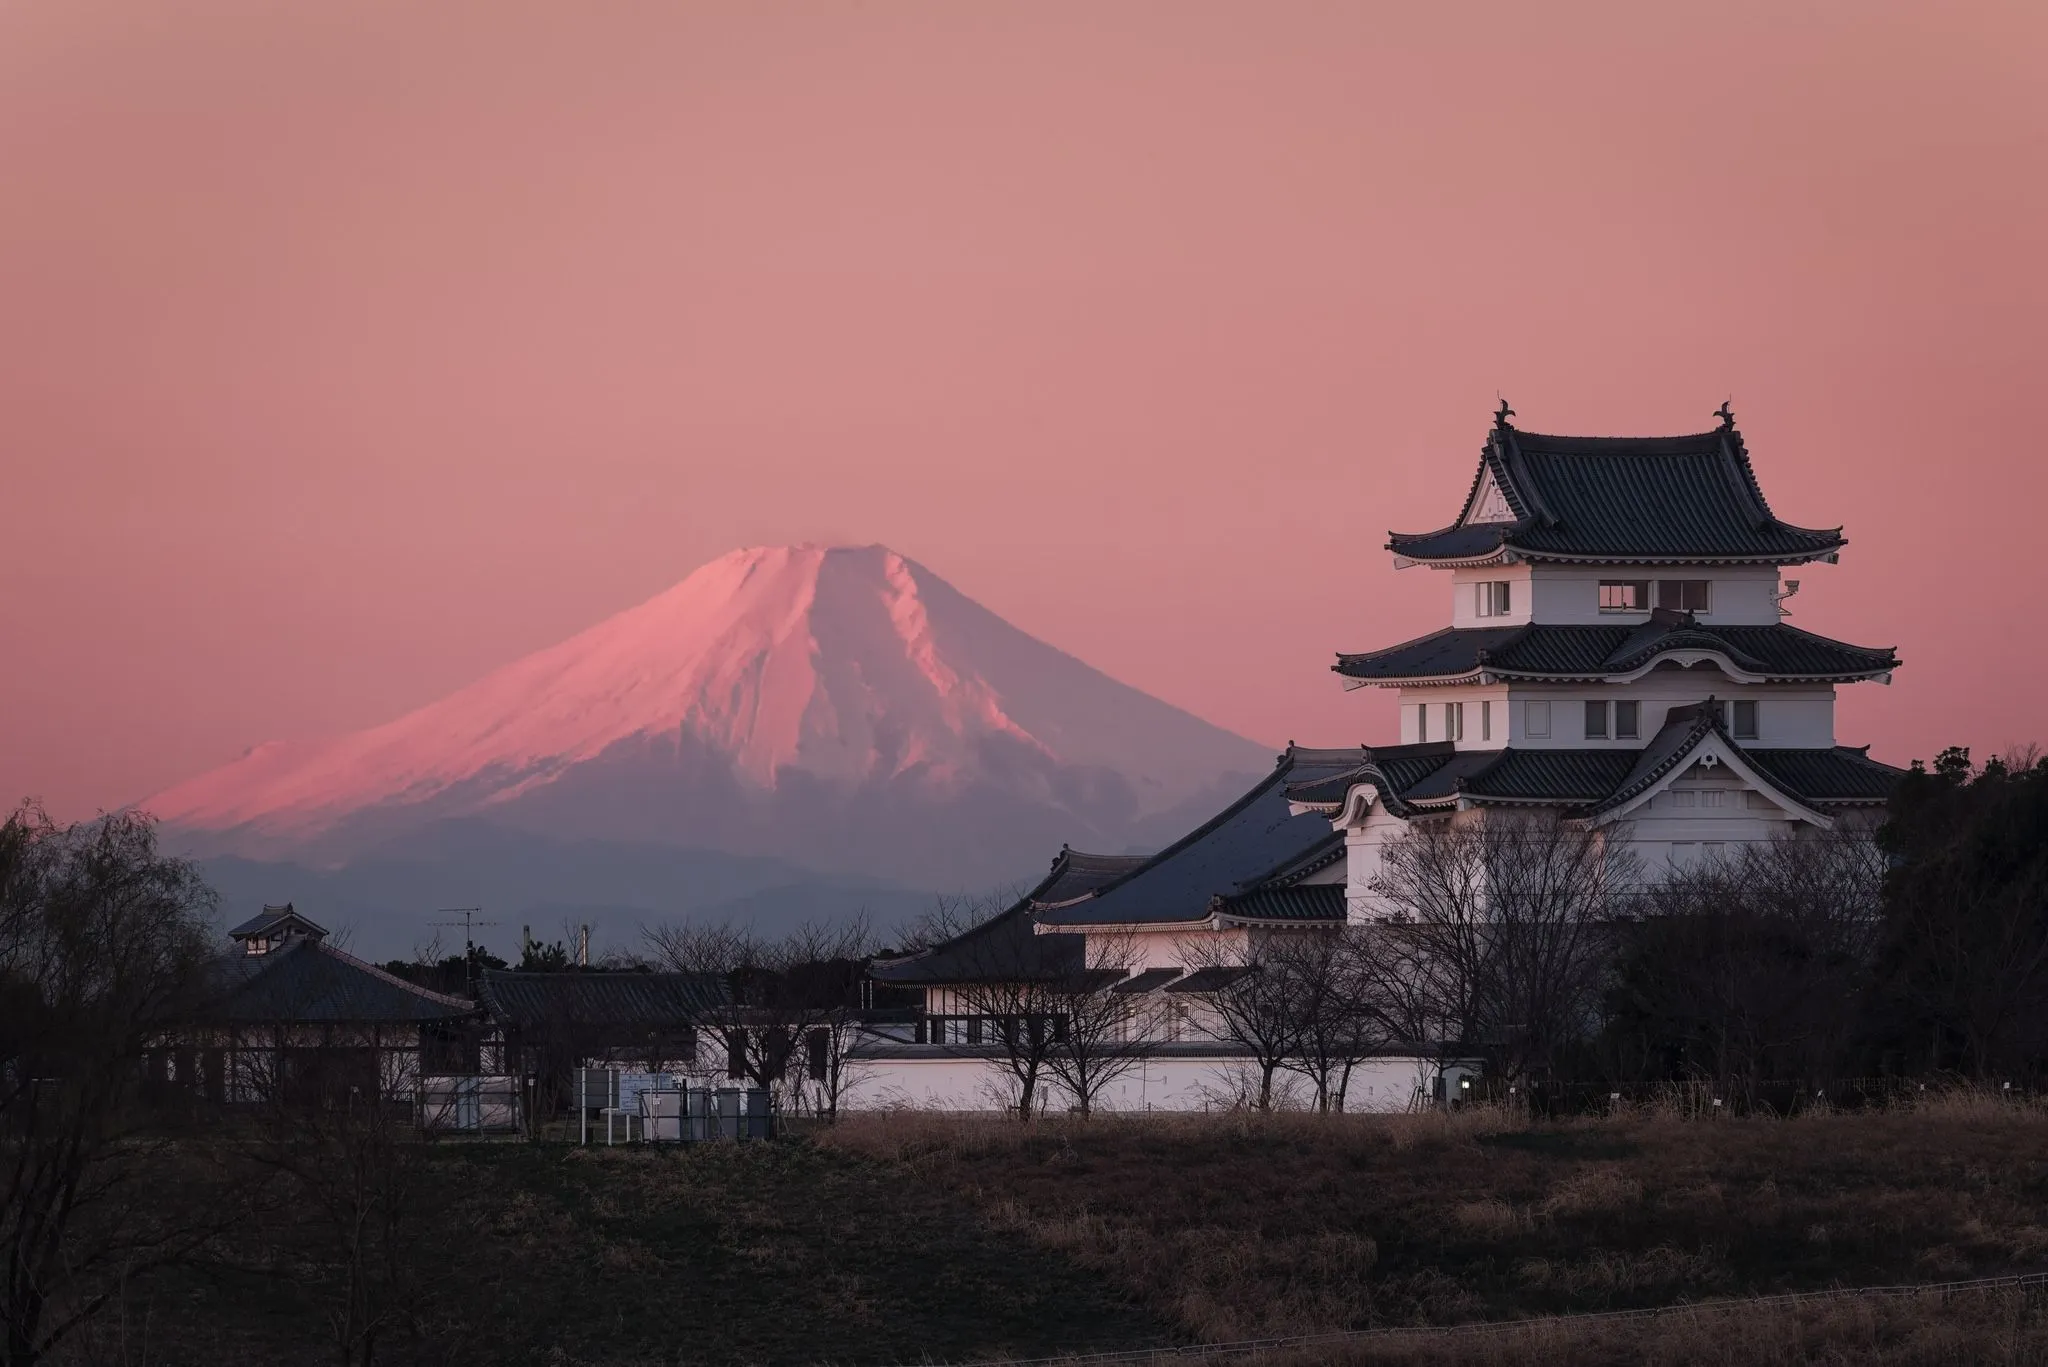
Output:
x=469 y=923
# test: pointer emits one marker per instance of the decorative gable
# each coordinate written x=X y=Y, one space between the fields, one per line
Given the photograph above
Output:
x=1489 y=504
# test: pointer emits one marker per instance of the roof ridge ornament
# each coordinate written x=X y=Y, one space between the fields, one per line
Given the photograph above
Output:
x=1726 y=414
x=1500 y=419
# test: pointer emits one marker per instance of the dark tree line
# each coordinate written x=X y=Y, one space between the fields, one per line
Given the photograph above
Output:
x=1923 y=950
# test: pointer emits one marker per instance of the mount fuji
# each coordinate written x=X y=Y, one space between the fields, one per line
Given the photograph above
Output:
x=785 y=724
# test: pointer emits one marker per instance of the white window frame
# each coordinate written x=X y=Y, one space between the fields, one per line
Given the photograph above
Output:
x=1635 y=719
x=1493 y=598
x=1486 y=719
x=1736 y=728
x=1454 y=721
x=1596 y=708
x=1536 y=718
x=1648 y=586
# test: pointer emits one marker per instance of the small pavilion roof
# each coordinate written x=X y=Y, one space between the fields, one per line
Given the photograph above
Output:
x=1692 y=498
x=274 y=922
x=1600 y=651
x=1254 y=839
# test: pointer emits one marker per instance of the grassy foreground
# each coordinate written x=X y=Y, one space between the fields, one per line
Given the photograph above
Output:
x=908 y=1238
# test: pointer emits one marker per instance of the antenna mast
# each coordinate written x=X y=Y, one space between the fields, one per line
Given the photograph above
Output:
x=469 y=923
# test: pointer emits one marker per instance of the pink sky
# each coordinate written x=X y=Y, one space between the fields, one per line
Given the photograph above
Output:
x=347 y=351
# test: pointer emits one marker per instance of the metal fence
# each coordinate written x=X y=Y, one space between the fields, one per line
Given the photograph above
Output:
x=664 y=1108
x=468 y=1104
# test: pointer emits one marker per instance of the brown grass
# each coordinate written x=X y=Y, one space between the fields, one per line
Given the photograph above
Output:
x=1241 y=1226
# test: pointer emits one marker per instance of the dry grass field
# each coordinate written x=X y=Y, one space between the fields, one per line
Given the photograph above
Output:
x=917 y=1238
x=1242 y=1226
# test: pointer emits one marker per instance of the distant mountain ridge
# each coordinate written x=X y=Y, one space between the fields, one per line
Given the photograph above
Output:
x=841 y=709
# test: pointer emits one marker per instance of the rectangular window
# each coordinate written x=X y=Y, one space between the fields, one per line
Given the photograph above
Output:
x=1745 y=719
x=1421 y=721
x=1713 y=797
x=1491 y=598
x=1454 y=721
x=1536 y=718
x=1486 y=721
x=1624 y=595
x=1682 y=595
x=1627 y=720
x=1684 y=798
x=1596 y=721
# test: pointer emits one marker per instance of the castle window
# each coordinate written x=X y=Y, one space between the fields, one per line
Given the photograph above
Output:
x=1596 y=721
x=1682 y=595
x=1627 y=720
x=1421 y=721
x=1624 y=595
x=1536 y=718
x=1491 y=598
x=1486 y=721
x=1454 y=721
x=1745 y=719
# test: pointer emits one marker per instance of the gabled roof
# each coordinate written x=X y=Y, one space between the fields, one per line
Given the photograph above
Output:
x=275 y=921
x=307 y=979
x=1692 y=498
x=540 y=1000
x=1250 y=840
x=1588 y=783
x=1005 y=945
x=1773 y=653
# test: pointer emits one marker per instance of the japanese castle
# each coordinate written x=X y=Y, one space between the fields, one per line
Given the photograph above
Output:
x=1616 y=653
x=1617 y=657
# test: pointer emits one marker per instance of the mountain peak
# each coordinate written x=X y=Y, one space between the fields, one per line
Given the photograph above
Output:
x=846 y=669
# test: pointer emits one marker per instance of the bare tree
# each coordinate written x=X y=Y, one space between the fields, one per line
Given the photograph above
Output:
x=1751 y=968
x=1016 y=1015
x=794 y=1011
x=1329 y=982
x=358 y=1198
x=102 y=951
x=1101 y=1033
x=1248 y=1002
x=1508 y=911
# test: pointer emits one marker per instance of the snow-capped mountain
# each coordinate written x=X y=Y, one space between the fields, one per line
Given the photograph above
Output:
x=843 y=709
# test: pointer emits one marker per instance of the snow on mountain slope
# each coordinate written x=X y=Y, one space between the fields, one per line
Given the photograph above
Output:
x=767 y=680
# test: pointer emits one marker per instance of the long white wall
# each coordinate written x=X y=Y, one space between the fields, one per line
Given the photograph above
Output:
x=1156 y=1084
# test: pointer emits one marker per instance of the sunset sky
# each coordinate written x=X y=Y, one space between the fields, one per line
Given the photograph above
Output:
x=348 y=350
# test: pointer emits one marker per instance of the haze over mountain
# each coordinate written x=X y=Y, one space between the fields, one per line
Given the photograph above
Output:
x=837 y=712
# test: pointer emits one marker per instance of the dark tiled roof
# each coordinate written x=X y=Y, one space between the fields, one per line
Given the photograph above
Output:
x=271 y=918
x=1691 y=497
x=1300 y=902
x=307 y=979
x=1598 y=651
x=1592 y=781
x=1244 y=842
x=1406 y=763
x=1151 y=980
x=1843 y=774
x=1210 y=979
x=539 y=1000
x=1006 y=945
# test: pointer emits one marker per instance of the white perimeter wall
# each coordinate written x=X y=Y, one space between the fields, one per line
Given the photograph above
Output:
x=1174 y=1084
